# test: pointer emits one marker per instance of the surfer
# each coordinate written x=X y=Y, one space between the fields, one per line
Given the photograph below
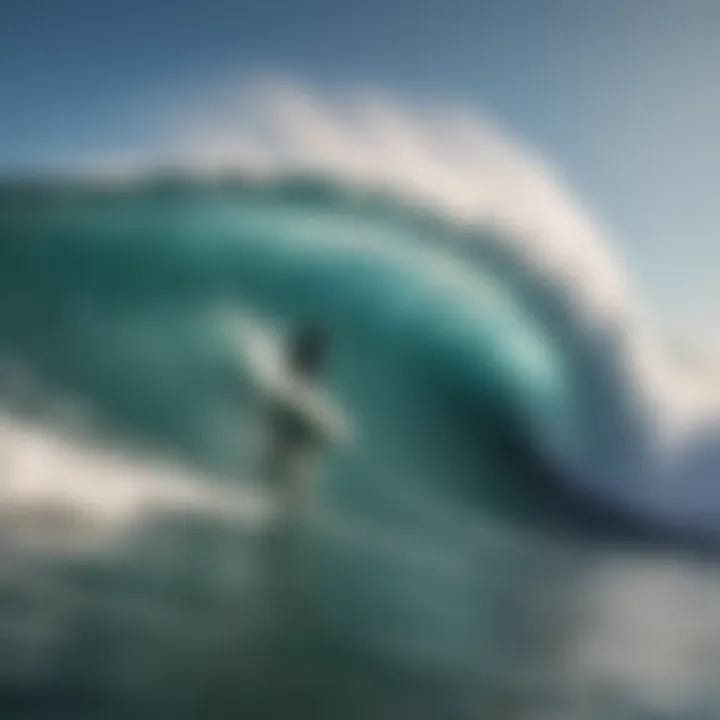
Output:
x=284 y=625
x=301 y=421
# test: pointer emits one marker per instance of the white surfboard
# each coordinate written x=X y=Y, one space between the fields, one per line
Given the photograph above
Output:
x=264 y=359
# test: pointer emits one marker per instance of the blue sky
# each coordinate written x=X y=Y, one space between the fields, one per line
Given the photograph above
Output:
x=622 y=95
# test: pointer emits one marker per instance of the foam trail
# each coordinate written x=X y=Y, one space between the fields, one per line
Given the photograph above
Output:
x=42 y=471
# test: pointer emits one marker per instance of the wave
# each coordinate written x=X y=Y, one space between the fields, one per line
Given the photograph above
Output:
x=485 y=344
x=592 y=391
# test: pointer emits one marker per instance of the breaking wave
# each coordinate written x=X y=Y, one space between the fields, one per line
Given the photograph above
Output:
x=485 y=343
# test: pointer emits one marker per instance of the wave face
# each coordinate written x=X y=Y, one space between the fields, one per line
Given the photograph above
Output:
x=508 y=466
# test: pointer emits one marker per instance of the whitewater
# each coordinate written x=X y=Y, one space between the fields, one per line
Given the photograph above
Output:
x=525 y=522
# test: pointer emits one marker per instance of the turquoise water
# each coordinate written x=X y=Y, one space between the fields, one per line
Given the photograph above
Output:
x=445 y=536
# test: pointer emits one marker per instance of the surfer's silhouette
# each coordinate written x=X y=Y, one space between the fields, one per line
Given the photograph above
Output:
x=297 y=427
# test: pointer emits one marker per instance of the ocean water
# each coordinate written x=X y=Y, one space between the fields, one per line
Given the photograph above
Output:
x=508 y=533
